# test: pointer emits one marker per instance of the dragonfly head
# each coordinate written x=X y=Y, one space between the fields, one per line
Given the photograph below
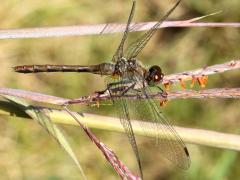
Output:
x=154 y=75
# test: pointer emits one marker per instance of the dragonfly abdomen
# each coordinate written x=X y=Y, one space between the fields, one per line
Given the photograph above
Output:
x=103 y=69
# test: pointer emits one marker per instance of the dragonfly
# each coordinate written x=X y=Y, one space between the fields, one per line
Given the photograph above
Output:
x=129 y=76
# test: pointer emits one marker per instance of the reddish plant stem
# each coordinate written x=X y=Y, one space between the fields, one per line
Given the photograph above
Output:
x=198 y=73
x=111 y=157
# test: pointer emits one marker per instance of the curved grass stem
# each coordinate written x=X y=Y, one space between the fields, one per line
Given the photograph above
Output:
x=189 y=135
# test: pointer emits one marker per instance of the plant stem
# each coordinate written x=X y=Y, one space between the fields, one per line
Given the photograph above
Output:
x=189 y=135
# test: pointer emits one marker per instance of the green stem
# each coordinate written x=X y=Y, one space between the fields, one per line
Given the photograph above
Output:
x=189 y=135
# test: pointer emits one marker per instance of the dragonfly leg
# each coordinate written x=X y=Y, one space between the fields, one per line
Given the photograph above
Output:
x=104 y=91
x=164 y=93
x=120 y=88
x=128 y=88
x=110 y=89
x=161 y=90
x=123 y=89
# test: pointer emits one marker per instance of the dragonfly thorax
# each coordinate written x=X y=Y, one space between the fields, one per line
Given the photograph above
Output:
x=124 y=66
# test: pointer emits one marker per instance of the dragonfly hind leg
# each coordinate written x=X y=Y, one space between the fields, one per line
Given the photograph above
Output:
x=131 y=87
x=110 y=90
x=104 y=91
x=117 y=89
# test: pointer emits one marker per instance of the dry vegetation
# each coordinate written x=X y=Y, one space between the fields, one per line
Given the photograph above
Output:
x=27 y=152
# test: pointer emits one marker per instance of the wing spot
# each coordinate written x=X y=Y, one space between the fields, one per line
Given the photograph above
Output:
x=186 y=151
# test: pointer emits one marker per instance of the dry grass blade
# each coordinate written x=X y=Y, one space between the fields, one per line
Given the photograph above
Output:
x=111 y=157
x=34 y=96
x=41 y=116
x=97 y=29
x=193 y=136
x=206 y=93
x=210 y=70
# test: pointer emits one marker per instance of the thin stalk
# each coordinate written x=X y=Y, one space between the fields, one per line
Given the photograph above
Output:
x=99 y=29
x=189 y=135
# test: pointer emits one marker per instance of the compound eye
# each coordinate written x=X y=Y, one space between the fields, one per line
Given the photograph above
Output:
x=155 y=75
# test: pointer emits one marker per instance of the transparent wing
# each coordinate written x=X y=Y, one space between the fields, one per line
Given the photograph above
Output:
x=121 y=107
x=136 y=47
x=155 y=124
x=119 y=52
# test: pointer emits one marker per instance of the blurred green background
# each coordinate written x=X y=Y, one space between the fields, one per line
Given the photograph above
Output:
x=27 y=151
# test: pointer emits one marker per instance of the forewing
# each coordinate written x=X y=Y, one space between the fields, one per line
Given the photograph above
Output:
x=136 y=47
x=119 y=52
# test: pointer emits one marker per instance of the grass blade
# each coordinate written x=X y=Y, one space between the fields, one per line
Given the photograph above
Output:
x=41 y=116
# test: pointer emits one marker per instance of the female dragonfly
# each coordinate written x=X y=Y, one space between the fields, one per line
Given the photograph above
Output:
x=132 y=77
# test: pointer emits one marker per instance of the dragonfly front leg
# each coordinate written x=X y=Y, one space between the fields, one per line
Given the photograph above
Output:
x=163 y=93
